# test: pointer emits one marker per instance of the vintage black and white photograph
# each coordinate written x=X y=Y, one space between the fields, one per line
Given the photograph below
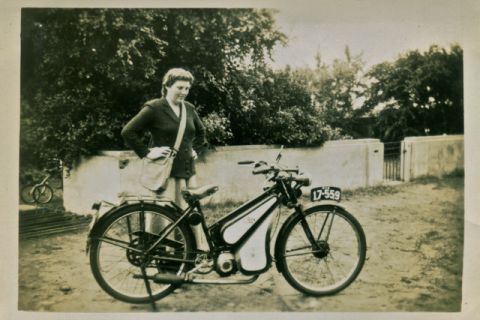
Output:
x=300 y=157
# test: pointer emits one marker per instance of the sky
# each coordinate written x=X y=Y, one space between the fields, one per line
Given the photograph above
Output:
x=380 y=30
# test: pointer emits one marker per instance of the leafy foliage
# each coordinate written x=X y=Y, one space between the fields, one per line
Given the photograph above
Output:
x=218 y=128
x=85 y=72
x=336 y=91
x=275 y=107
x=418 y=93
x=338 y=88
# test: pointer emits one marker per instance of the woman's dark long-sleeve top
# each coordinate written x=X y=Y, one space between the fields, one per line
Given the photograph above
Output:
x=158 y=118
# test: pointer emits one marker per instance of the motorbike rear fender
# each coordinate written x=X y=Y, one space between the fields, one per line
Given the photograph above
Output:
x=97 y=220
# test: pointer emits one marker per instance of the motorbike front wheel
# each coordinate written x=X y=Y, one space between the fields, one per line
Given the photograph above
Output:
x=331 y=263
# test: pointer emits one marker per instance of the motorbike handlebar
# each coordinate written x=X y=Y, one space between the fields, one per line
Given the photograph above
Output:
x=261 y=170
x=304 y=181
x=245 y=162
x=261 y=167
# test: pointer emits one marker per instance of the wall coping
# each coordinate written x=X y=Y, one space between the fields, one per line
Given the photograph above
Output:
x=332 y=143
x=435 y=138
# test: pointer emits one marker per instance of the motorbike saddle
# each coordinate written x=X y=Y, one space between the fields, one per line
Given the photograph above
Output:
x=195 y=194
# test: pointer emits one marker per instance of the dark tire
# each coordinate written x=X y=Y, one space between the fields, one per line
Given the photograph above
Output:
x=42 y=194
x=330 y=269
x=26 y=194
x=114 y=267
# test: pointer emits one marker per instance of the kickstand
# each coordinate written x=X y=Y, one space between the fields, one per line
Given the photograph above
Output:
x=149 y=290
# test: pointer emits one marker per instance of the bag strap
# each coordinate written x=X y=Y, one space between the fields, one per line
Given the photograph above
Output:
x=181 y=128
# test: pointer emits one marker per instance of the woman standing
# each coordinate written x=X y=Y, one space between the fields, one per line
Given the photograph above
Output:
x=161 y=118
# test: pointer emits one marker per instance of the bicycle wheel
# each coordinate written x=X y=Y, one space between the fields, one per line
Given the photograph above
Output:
x=334 y=264
x=26 y=194
x=56 y=181
x=42 y=194
x=116 y=254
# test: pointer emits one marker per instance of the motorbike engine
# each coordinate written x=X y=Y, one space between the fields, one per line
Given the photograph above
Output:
x=225 y=264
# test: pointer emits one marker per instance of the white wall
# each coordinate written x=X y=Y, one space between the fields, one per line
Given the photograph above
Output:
x=346 y=164
x=431 y=155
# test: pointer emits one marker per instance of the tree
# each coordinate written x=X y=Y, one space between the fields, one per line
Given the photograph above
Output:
x=275 y=107
x=85 y=72
x=338 y=89
x=418 y=93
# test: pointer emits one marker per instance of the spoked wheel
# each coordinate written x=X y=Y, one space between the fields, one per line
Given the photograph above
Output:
x=26 y=194
x=42 y=194
x=117 y=252
x=56 y=181
x=332 y=262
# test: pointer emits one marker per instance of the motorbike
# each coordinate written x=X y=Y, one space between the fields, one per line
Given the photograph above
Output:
x=143 y=249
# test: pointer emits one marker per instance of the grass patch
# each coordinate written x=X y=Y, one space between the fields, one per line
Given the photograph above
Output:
x=457 y=173
x=348 y=194
x=449 y=181
x=370 y=191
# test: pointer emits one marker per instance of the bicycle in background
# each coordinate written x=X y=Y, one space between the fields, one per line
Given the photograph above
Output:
x=42 y=192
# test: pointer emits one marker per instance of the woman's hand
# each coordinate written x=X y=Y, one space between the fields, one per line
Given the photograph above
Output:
x=158 y=152
x=194 y=154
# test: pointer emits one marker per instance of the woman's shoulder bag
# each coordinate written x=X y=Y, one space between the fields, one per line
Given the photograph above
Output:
x=155 y=173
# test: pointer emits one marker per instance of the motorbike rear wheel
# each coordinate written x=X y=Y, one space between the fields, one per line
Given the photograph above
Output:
x=117 y=252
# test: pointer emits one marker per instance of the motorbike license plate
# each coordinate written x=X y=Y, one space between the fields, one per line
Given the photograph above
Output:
x=326 y=193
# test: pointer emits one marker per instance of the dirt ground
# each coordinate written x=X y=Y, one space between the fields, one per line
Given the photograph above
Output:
x=414 y=263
